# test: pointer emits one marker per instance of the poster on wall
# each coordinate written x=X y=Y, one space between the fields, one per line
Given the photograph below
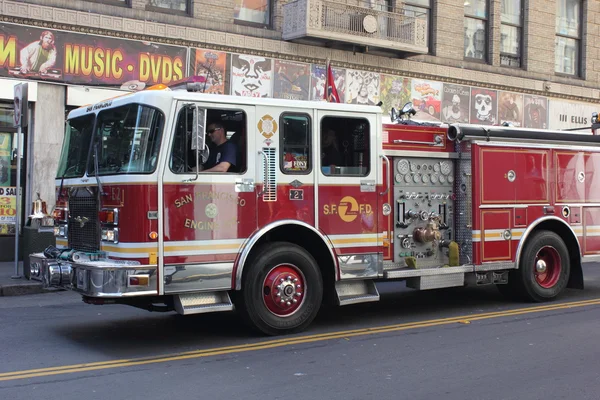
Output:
x=395 y=92
x=362 y=87
x=510 y=108
x=569 y=115
x=251 y=76
x=535 y=112
x=291 y=80
x=427 y=99
x=5 y=156
x=210 y=65
x=317 y=82
x=53 y=55
x=455 y=104
x=484 y=106
x=8 y=210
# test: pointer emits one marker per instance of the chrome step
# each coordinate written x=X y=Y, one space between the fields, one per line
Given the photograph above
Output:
x=412 y=273
x=354 y=292
x=197 y=303
x=436 y=281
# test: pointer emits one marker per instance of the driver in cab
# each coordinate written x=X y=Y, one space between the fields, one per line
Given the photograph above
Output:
x=222 y=158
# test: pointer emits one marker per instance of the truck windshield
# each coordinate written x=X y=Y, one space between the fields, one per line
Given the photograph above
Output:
x=75 y=147
x=126 y=140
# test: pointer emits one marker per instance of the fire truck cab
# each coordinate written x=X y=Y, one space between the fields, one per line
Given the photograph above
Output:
x=172 y=200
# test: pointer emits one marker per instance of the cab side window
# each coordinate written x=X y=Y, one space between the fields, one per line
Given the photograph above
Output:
x=226 y=134
x=296 y=144
x=345 y=146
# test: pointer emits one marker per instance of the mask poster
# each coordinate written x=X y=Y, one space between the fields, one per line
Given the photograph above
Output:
x=427 y=99
x=484 y=106
x=395 y=92
x=211 y=66
x=318 y=75
x=510 y=108
x=455 y=104
x=251 y=76
x=292 y=80
x=535 y=112
x=363 y=87
x=47 y=54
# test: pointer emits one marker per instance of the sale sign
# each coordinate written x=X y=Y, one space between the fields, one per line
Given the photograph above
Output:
x=8 y=210
x=45 y=54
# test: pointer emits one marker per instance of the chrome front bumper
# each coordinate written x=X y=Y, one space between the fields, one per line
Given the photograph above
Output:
x=101 y=278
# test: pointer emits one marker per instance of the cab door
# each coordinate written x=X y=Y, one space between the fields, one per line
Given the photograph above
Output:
x=206 y=215
x=347 y=178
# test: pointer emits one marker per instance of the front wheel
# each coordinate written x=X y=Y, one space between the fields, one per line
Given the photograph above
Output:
x=544 y=268
x=282 y=289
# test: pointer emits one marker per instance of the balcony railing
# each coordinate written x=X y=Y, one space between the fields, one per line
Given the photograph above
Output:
x=334 y=21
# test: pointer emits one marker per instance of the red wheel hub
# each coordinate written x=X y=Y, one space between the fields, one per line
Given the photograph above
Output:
x=547 y=267
x=284 y=290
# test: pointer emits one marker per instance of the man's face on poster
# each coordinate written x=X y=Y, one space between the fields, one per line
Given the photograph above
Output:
x=48 y=41
x=249 y=74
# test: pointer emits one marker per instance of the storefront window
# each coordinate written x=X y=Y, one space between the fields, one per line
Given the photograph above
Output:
x=253 y=11
x=8 y=170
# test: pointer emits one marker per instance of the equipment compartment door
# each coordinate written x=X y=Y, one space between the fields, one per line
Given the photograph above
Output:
x=497 y=175
x=496 y=235
x=347 y=191
x=208 y=215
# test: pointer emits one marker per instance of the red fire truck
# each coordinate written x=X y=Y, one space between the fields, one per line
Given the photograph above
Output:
x=319 y=202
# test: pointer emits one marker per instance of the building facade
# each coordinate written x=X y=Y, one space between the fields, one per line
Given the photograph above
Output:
x=533 y=63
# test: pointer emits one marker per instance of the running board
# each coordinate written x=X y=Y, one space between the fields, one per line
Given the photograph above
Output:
x=197 y=303
x=400 y=273
x=354 y=292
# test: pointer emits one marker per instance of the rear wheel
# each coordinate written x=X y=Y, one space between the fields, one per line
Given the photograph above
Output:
x=282 y=289
x=544 y=268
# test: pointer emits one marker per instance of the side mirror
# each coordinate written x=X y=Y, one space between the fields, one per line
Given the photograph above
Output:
x=594 y=118
x=408 y=109
x=394 y=115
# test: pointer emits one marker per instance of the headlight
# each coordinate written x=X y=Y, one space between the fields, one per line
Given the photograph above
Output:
x=110 y=235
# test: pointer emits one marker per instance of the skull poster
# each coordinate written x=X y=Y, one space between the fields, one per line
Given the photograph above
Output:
x=291 y=80
x=210 y=65
x=535 y=112
x=317 y=82
x=427 y=99
x=363 y=87
x=484 y=106
x=395 y=92
x=510 y=108
x=251 y=76
x=455 y=104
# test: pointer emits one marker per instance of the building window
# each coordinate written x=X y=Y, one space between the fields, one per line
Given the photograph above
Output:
x=476 y=20
x=420 y=9
x=568 y=36
x=252 y=11
x=177 y=6
x=296 y=144
x=510 y=33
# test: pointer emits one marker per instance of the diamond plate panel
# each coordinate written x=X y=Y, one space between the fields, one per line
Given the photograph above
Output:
x=436 y=281
x=463 y=203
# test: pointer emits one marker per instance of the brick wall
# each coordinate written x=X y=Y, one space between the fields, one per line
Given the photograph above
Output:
x=214 y=20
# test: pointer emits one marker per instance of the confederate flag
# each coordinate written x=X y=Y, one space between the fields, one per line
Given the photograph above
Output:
x=331 y=94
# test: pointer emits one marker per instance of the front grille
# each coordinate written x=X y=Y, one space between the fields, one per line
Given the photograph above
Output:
x=84 y=229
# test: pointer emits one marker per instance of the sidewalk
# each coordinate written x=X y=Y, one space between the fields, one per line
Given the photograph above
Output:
x=18 y=287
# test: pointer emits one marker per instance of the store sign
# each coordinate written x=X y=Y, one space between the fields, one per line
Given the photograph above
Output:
x=59 y=56
x=8 y=210
x=568 y=115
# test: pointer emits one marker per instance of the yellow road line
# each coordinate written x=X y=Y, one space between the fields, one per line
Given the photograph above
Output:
x=69 y=369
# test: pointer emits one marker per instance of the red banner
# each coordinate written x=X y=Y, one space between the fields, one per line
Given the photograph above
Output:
x=46 y=54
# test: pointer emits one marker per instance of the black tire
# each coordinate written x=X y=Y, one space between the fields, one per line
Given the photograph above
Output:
x=532 y=285
x=257 y=300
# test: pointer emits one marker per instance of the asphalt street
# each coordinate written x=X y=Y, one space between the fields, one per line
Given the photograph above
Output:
x=452 y=344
